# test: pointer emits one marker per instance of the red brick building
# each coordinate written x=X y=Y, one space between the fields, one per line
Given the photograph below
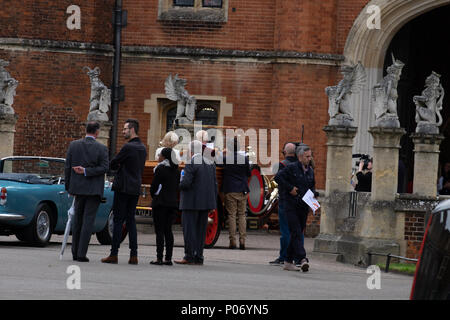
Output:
x=253 y=63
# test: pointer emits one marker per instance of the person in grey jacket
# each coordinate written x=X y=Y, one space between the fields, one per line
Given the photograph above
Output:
x=85 y=168
x=198 y=196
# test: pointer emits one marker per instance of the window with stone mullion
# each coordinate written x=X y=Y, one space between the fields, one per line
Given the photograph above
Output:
x=183 y=3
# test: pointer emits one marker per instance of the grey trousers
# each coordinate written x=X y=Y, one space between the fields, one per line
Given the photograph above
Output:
x=83 y=223
x=194 y=224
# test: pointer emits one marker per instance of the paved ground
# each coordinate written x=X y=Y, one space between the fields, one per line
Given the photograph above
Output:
x=37 y=273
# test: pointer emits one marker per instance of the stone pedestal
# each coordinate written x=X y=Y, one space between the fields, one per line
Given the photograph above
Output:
x=339 y=158
x=7 y=130
x=426 y=163
x=105 y=130
x=386 y=144
x=338 y=174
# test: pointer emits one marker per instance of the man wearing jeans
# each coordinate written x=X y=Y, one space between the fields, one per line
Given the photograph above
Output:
x=129 y=163
x=290 y=157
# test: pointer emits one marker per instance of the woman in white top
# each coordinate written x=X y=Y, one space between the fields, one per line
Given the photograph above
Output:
x=170 y=140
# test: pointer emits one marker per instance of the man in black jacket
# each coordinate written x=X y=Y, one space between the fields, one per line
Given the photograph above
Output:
x=297 y=178
x=290 y=157
x=129 y=163
x=235 y=187
x=85 y=168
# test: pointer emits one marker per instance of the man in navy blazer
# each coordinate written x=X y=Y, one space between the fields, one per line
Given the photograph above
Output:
x=85 y=168
x=198 y=196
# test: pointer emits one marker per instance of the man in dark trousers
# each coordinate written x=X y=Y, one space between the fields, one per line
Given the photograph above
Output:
x=129 y=163
x=297 y=178
x=198 y=196
x=85 y=168
x=289 y=157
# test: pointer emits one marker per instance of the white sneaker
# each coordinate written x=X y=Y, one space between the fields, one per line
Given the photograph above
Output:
x=304 y=265
x=290 y=267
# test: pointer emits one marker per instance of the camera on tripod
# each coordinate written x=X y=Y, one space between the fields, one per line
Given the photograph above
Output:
x=362 y=157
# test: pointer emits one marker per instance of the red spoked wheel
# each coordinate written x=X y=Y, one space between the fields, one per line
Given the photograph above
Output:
x=213 y=229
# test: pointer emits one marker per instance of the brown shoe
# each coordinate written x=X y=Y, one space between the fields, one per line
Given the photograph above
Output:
x=110 y=259
x=232 y=244
x=242 y=245
x=184 y=261
x=133 y=260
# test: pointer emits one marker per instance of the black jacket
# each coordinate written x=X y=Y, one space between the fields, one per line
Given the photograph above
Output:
x=364 y=181
x=282 y=192
x=168 y=178
x=129 y=163
x=291 y=176
x=91 y=155
x=236 y=174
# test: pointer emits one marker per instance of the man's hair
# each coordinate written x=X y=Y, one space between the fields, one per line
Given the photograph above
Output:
x=92 y=127
x=300 y=150
x=133 y=123
x=289 y=148
x=202 y=136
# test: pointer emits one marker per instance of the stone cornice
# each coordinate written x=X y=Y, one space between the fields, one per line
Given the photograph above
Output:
x=263 y=56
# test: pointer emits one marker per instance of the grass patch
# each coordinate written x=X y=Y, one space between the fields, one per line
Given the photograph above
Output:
x=408 y=268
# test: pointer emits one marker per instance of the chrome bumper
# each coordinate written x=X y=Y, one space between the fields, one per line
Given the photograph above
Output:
x=11 y=217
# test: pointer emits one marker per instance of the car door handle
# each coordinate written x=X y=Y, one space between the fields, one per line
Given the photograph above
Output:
x=62 y=192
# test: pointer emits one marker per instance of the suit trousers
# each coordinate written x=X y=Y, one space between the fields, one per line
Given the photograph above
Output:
x=163 y=219
x=124 y=211
x=236 y=204
x=83 y=223
x=297 y=222
x=194 y=223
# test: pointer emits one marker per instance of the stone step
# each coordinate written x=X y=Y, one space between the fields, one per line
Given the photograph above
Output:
x=335 y=257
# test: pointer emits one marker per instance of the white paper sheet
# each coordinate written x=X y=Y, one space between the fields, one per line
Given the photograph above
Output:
x=311 y=201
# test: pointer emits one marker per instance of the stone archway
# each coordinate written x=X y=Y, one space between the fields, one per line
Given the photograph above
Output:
x=370 y=45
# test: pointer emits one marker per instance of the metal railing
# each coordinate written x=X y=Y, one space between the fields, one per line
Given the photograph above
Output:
x=388 y=258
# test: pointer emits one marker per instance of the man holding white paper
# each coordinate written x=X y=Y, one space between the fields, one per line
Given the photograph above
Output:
x=298 y=177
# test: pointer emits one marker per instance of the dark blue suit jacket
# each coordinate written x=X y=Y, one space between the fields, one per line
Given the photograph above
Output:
x=236 y=174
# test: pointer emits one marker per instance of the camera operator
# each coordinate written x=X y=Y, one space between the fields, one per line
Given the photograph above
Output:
x=364 y=175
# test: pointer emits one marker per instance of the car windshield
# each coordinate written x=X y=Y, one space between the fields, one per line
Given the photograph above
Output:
x=33 y=170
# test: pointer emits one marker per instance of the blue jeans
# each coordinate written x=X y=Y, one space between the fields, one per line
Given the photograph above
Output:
x=284 y=230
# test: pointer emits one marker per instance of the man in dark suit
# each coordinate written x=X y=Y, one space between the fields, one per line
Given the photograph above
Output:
x=129 y=163
x=198 y=196
x=85 y=168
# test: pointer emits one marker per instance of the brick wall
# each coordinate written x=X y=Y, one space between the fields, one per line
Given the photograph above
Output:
x=46 y=19
x=52 y=99
x=414 y=232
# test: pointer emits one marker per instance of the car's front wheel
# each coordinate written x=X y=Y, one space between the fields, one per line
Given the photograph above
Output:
x=39 y=231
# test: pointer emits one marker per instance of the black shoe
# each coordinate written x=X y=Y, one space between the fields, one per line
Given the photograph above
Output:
x=276 y=262
x=167 y=263
x=74 y=258
x=83 y=259
x=158 y=262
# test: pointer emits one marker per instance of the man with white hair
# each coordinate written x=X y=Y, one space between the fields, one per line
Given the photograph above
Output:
x=198 y=196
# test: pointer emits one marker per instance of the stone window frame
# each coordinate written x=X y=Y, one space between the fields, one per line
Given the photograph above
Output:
x=169 y=12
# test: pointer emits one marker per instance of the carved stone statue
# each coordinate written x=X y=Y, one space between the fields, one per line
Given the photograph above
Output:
x=8 y=87
x=429 y=105
x=384 y=97
x=186 y=103
x=100 y=100
x=339 y=107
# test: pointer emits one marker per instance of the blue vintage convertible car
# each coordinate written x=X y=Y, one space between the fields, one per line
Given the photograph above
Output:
x=34 y=202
